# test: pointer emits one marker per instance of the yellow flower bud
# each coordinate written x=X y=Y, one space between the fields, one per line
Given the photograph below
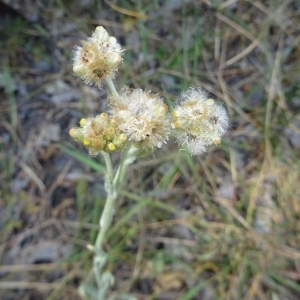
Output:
x=109 y=134
x=98 y=144
x=86 y=142
x=76 y=134
x=72 y=132
x=82 y=122
x=103 y=118
x=109 y=148
x=120 y=141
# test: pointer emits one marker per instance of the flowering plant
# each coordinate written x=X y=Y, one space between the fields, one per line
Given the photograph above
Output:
x=137 y=122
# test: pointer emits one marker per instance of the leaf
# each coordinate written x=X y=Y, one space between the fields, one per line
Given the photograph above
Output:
x=84 y=158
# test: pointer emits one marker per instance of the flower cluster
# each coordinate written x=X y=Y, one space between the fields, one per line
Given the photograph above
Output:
x=142 y=116
x=98 y=58
x=99 y=133
x=139 y=116
x=198 y=122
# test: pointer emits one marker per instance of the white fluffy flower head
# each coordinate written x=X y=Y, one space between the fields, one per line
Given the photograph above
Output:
x=98 y=58
x=142 y=116
x=198 y=121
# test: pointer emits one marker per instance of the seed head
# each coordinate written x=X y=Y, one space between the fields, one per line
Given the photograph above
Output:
x=142 y=116
x=98 y=58
x=194 y=144
x=198 y=121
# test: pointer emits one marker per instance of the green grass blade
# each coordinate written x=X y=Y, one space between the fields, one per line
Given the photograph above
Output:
x=84 y=158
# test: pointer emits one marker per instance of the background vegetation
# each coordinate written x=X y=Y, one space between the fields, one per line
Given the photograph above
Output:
x=224 y=225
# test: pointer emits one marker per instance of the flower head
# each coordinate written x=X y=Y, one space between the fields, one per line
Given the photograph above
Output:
x=198 y=121
x=142 y=116
x=98 y=58
x=194 y=144
x=99 y=133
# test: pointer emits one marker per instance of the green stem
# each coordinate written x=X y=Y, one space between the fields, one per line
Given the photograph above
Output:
x=108 y=165
x=109 y=204
x=105 y=220
x=122 y=167
x=112 y=87
x=112 y=186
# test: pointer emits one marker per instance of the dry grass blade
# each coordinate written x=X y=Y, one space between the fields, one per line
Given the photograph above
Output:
x=241 y=54
x=32 y=175
x=26 y=268
x=11 y=285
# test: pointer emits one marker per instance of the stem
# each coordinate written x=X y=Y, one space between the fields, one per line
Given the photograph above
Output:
x=108 y=165
x=122 y=167
x=112 y=87
x=109 y=204
x=112 y=186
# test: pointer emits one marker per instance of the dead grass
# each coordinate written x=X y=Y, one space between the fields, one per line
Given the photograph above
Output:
x=221 y=226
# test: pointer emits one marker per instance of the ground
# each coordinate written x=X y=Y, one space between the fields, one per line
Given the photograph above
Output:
x=223 y=225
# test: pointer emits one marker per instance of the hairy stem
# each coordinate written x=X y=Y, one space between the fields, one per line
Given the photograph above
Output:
x=105 y=221
x=112 y=186
x=109 y=204
x=122 y=167
x=112 y=87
